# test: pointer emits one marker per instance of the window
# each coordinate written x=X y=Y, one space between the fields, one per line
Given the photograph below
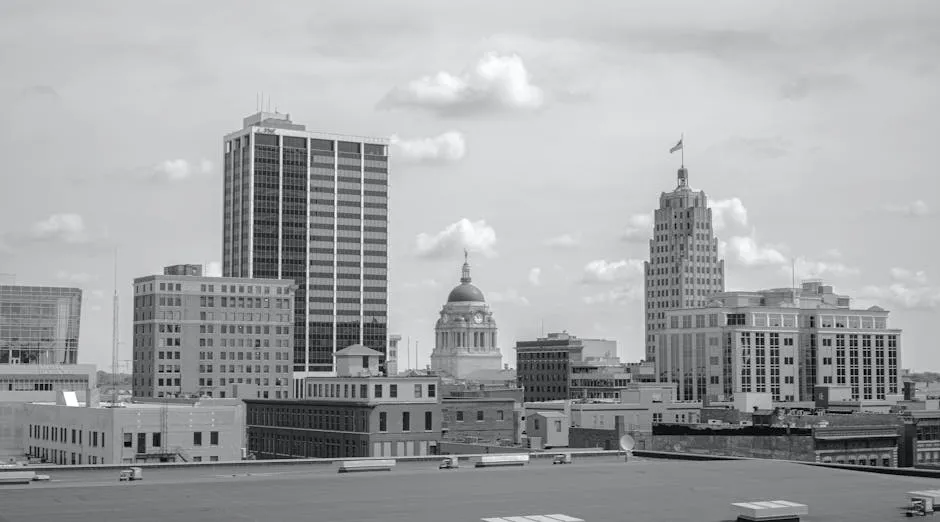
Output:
x=378 y=391
x=128 y=440
x=213 y=438
x=156 y=440
x=364 y=391
x=558 y=426
x=197 y=438
x=365 y=361
x=432 y=389
x=383 y=421
x=405 y=421
x=459 y=416
x=499 y=415
x=479 y=415
x=428 y=421
x=393 y=391
x=417 y=391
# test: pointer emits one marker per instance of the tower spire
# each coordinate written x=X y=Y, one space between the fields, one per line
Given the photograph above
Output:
x=465 y=275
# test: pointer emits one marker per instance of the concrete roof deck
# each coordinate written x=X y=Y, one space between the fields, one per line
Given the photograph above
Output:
x=598 y=489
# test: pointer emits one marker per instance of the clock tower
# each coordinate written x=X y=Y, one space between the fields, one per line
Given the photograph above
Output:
x=465 y=339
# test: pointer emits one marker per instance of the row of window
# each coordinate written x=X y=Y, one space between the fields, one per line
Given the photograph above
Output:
x=61 y=435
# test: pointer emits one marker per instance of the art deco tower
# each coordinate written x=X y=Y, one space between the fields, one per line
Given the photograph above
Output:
x=683 y=269
x=311 y=207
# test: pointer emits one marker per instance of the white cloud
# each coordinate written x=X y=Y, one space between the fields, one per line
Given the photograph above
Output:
x=602 y=271
x=746 y=251
x=424 y=283
x=616 y=296
x=74 y=277
x=535 y=275
x=563 y=241
x=807 y=268
x=910 y=291
x=510 y=296
x=639 y=227
x=917 y=208
x=475 y=236
x=496 y=82
x=727 y=212
x=95 y=308
x=213 y=269
x=447 y=147
x=66 y=228
x=900 y=295
x=833 y=253
x=909 y=276
x=180 y=169
x=97 y=294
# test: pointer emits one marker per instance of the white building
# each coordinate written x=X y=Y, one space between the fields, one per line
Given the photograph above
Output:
x=465 y=334
x=684 y=268
x=784 y=342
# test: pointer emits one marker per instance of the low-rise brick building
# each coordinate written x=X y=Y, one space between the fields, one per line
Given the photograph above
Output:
x=359 y=413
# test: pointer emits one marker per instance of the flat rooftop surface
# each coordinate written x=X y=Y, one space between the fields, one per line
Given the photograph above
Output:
x=595 y=489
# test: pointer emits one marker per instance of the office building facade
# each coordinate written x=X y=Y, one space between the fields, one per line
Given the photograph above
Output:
x=39 y=325
x=684 y=268
x=784 y=342
x=212 y=336
x=311 y=207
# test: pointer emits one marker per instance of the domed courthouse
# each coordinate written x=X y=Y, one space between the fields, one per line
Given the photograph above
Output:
x=465 y=339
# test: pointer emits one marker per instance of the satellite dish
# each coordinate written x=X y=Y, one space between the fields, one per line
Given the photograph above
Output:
x=627 y=443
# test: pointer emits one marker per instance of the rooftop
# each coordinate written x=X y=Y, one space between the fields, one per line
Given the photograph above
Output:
x=593 y=489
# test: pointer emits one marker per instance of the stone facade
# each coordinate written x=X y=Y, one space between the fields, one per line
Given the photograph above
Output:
x=465 y=334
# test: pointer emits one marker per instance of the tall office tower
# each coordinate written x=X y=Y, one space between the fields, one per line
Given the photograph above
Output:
x=213 y=336
x=311 y=207
x=684 y=269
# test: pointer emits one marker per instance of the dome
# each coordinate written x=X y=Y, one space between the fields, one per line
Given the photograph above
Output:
x=465 y=292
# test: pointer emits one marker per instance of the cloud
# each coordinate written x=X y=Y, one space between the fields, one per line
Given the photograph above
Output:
x=909 y=276
x=917 y=208
x=746 y=250
x=535 y=275
x=447 y=147
x=760 y=148
x=602 y=271
x=806 y=268
x=424 y=283
x=510 y=296
x=909 y=291
x=59 y=228
x=179 y=170
x=75 y=277
x=806 y=85
x=213 y=269
x=475 y=236
x=727 y=212
x=96 y=294
x=497 y=82
x=616 y=296
x=639 y=228
x=563 y=241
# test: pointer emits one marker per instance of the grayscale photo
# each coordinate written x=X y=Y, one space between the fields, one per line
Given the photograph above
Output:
x=469 y=261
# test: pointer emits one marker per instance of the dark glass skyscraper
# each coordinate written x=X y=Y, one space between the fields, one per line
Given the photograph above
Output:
x=39 y=324
x=311 y=207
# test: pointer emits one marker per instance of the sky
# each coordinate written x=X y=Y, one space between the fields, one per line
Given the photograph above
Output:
x=535 y=134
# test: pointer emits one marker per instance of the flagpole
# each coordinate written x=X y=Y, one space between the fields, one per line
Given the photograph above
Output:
x=682 y=141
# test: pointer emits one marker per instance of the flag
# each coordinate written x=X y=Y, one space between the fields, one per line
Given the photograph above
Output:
x=677 y=147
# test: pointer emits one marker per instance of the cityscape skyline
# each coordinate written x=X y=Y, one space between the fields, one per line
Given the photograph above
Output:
x=773 y=102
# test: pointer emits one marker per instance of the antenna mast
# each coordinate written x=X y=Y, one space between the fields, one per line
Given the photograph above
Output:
x=114 y=339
